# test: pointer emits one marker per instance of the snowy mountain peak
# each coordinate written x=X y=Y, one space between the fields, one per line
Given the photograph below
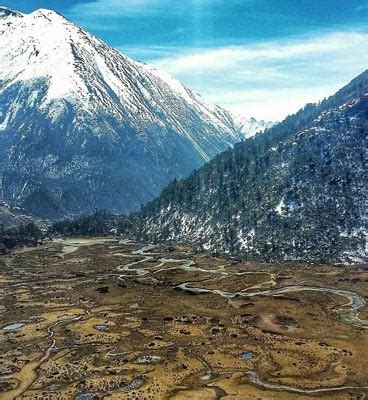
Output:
x=250 y=126
x=49 y=16
x=78 y=67
x=62 y=82
x=27 y=53
x=44 y=12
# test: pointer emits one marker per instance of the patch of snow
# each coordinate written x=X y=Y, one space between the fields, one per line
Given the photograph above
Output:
x=246 y=241
x=283 y=208
x=280 y=207
x=355 y=232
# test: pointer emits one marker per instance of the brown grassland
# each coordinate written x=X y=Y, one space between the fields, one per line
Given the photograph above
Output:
x=103 y=318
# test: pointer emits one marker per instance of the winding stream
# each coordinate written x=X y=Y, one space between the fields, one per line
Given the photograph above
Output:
x=348 y=312
x=253 y=377
x=29 y=371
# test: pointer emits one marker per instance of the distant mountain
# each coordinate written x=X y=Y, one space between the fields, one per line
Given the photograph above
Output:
x=297 y=193
x=250 y=126
x=83 y=126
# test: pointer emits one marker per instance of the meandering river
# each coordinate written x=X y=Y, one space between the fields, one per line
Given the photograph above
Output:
x=347 y=312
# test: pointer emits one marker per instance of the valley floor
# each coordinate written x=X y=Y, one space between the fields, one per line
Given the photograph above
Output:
x=107 y=318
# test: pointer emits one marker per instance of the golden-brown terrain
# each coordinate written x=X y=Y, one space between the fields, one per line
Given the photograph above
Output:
x=103 y=318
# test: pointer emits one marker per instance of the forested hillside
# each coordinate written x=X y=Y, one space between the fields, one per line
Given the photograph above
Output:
x=295 y=193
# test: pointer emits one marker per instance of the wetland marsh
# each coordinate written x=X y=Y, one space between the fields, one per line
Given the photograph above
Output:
x=107 y=318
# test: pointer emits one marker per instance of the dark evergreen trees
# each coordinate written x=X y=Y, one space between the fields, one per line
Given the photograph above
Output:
x=296 y=192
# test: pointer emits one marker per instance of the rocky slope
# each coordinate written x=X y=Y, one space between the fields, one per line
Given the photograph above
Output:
x=295 y=193
x=11 y=216
x=83 y=126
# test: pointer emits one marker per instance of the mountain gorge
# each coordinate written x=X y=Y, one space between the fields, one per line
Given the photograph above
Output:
x=83 y=126
x=295 y=193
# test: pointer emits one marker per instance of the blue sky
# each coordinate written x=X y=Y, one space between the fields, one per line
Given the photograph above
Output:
x=263 y=58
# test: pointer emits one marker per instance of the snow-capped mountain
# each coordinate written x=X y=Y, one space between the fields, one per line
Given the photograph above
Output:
x=84 y=126
x=250 y=126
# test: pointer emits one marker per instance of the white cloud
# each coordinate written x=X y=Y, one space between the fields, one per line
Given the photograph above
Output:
x=229 y=57
x=128 y=8
x=267 y=80
x=111 y=8
x=270 y=80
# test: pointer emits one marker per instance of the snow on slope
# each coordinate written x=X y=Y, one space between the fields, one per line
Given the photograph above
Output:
x=8 y=17
x=297 y=192
x=9 y=14
x=80 y=120
x=126 y=88
x=250 y=126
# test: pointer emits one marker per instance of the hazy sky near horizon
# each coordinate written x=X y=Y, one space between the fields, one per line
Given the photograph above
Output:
x=262 y=58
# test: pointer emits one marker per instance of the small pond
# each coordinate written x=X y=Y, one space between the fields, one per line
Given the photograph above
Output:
x=84 y=396
x=148 y=360
x=13 y=327
x=102 y=328
x=246 y=355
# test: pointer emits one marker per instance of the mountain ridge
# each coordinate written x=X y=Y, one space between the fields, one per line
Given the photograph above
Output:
x=296 y=193
x=85 y=120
